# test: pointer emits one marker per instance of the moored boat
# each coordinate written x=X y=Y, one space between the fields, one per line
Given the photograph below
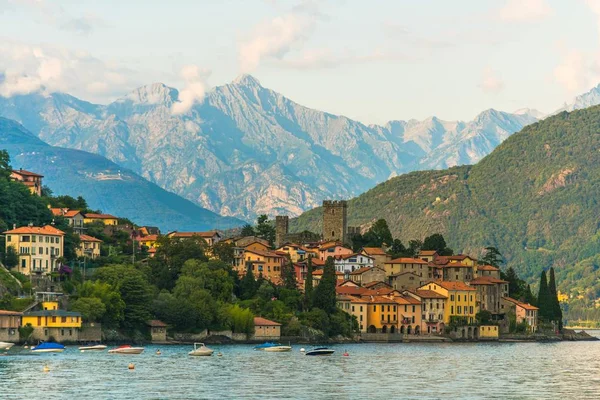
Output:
x=126 y=349
x=96 y=347
x=201 y=350
x=278 y=349
x=6 y=345
x=266 y=345
x=320 y=351
x=48 y=347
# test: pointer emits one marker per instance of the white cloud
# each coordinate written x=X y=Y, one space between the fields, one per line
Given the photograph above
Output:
x=276 y=37
x=326 y=58
x=194 y=91
x=491 y=82
x=525 y=10
x=29 y=68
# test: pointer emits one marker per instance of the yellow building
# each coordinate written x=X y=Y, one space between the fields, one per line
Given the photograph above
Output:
x=39 y=248
x=89 y=247
x=50 y=322
x=267 y=263
x=488 y=332
x=211 y=237
x=297 y=253
x=265 y=329
x=106 y=219
x=405 y=264
x=461 y=299
x=382 y=315
x=148 y=241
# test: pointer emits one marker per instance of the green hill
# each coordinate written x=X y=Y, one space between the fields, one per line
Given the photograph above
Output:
x=105 y=185
x=535 y=197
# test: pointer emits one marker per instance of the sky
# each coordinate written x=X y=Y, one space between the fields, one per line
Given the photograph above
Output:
x=373 y=61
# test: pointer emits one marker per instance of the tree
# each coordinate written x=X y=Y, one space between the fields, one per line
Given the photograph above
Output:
x=224 y=251
x=325 y=292
x=289 y=275
x=5 y=168
x=544 y=301
x=248 y=284
x=378 y=235
x=483 y=317
x=437 y=243
x=414 y=247
x=515 y=285
x=91 y=308
x=170 y=256
x=397 y=249
x=11 y=258
x=247 y=230
x=492 y=257
x=308 y=286
x=265 y=229
x=529 y=297
x=555 y=304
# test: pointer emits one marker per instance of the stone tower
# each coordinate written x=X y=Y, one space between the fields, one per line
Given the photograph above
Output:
x=335 y=225
x=281 y=229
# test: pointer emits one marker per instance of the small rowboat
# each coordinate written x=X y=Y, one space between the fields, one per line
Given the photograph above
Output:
x=126 y=349
x=97 y=347
x=320 y=351
x=6 y=345
x=277 y=349
x=201 y=350
x=48 y=347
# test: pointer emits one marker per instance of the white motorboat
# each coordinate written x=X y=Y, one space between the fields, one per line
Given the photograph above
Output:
x=278 y=349
x=320 y=351
x=201 y=350
x=97 y=347
x=6 y=345
x=126 y=349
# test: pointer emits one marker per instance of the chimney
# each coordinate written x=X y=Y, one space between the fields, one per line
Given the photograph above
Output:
x=14 y=226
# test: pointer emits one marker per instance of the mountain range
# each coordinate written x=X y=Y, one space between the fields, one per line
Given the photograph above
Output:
x=535 y=198
x=247 y=150
x=105 y=185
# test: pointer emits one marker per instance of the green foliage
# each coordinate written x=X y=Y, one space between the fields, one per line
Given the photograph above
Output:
x=265 y=230
x=110 y=298
x=247 y=230
x=223 y=251
x=483 y=317
x=308 y=286
x=242 y=319
x=492 y=257
x=171 y=255
x=397 y=249
x=288 y=275
x=25 y=332
x=324 y=297
x=248 y=285
x=438 y=243
x=544 y=300
x=556 y=311
x=5 y=168
x=378 y=235
x=91 y=308
x=11 y=258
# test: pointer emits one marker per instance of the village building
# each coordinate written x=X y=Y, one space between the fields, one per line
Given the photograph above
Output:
x=211 y=237
x=458 y=272
x=88 y=247
x=432 y=309
x=10 y=322
x=461 y=304
x=487 y=270
x=490 y=292
x=405 y=264
x=379 y=256
x=366 y=275
x=52 y=323
x=297 y=252
x=522 y=311
x=265 y=329
x=406 y=280
x=334 y=249
x=428 y=255
x=265 y=263
x=106 y=219
x=158 y=331
x=38 y=248
x=351 y=262
x=148 y=241
x=377 y=285
x=32 y=180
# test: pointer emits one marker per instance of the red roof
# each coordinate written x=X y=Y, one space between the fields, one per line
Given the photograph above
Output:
x=361 y=270
x=428 y=252
x=100 y=216
x=374 y=251
x=23 y=172
x=453 y=285
x=526 y=306
x=486 y=280
x=87 y=238
x=487 y=268
x=10 y=313
x=36 y=230
x=406 y=260
x=72 y=213
x=146 y=238
x=371 y=284
x=457 y=265
x=259 y=321
x=265 y=253
x=428 y=294
x=156 y=323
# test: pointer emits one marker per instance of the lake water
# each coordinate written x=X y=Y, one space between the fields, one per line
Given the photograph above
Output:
x=565 y=370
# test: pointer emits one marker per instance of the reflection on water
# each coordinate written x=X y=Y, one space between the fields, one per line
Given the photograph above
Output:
x=567 y=370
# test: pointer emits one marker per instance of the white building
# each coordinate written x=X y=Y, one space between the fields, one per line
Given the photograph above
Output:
x=351 y=262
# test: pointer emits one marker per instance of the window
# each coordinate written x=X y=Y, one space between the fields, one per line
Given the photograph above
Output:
x=361 y=310
x=458 y=297
x=53 y=319
x=471 y=310
x=458 y=309
x=424 y=306
x=413 y=308
x=413 y=319
x=451 y=297
x=352 y=308
x=471 y=297
x=8 y=238
x=451 y=309
x=23 y=263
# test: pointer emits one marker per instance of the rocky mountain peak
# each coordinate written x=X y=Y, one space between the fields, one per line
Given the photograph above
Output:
x=246 y=80
x=153 y=94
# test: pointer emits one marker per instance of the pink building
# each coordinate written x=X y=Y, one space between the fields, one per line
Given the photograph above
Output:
x=333 y=250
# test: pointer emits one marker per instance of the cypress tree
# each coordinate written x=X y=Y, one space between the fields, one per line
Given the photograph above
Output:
x=325 y=292
x=544 y=303
x=289 y=276
x=556 y=311
x=248 y=284
x=529 y=298
x=308 y=286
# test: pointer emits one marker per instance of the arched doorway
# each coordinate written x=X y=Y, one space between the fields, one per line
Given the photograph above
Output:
x=417 y=330
x=402 y=329
x=408 y=330
x=462 y=333
x=469 y=333
x=372 y=329
x=393 y=329
x=384 y=329
x=475 y=333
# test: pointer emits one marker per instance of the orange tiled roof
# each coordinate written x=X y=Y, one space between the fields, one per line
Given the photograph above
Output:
x=146 y=238
x=486 y=280
x=361 y=270
x=374 y=251
x=331 y=245
x=487 y=268
x=428 y=252
x=87 y=238
x=265 y=253
x=371 y=284
x=36 y=230
x=406 y=260
x=10 y=313
x=208 y=234
x=259 y=321
x=457 y=265
x=99 y=216
x=57 y=212
x=23 y=172
x=428 y=294
x=72 y=213
x=526 y=306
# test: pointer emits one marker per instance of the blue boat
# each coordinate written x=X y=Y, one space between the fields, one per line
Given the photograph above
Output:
x=266 y=345
x=48 y=347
